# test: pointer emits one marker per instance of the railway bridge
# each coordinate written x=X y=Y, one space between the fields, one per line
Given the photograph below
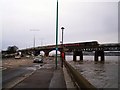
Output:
x=77 y=49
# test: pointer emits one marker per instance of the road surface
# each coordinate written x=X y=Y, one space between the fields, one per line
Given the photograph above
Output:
x=15 y=70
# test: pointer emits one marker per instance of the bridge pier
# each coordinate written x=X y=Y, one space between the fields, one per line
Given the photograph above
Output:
x=74 y=56
x=99 y=53
x=77 y=53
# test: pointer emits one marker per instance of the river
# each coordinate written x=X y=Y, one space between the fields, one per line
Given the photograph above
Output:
x=101 y=75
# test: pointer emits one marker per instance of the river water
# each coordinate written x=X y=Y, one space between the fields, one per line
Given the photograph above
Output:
x=101 y=75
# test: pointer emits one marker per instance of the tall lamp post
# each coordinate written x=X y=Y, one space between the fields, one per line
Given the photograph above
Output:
x=62 y=33
x=56 y=34
x=34 y=41
x=34 y=37
x=62 y=47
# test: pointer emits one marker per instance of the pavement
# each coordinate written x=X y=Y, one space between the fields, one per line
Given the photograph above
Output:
x=46 y=77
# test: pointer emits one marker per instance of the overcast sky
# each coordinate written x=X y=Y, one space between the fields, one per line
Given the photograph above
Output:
x=83 y=21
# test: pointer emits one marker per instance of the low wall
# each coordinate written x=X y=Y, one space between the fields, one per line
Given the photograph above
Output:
x=79 y=80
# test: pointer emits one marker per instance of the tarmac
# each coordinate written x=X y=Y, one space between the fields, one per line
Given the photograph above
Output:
x=47 y=77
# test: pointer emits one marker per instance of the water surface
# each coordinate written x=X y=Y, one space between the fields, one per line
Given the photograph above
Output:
x=101 y=75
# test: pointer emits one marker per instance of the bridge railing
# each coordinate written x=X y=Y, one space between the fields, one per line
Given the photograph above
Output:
x=78 y=79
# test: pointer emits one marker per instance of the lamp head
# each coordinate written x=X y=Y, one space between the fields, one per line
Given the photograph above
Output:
x=62 y=28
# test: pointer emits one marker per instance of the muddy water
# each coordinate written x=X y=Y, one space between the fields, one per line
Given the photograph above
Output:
x=101 y=75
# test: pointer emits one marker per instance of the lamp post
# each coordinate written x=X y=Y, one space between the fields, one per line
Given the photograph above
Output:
x=62 y=47
x=62 y=33
x=56 y=34
x=34 y=37
x=34 y=41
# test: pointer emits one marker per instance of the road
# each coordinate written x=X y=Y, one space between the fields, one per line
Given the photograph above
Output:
x=16 y=70
x=18 y=73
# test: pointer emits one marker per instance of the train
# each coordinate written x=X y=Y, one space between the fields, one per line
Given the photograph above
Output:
x=92 y=43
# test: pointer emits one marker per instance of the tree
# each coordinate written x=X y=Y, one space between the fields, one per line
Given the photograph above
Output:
x=12 y=49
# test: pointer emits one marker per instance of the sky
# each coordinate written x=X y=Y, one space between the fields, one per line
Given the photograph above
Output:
x=83 y=20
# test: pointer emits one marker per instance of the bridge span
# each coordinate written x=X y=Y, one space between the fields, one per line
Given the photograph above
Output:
x=76 y=48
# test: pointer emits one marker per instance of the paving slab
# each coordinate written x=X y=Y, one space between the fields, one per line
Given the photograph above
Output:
x=58 y=80
x=46 y=77
x=40 y=79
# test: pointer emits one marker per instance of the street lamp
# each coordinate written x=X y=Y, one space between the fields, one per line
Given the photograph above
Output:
x=62 y=47
x=34 y=38
x=56 y=34
x=62 y=33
